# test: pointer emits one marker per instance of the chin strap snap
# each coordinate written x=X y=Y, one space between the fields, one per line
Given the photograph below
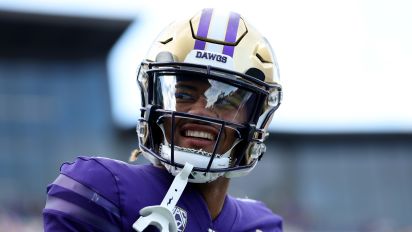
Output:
x=161 y=215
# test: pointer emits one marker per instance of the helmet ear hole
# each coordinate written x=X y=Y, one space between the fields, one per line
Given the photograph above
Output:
x=256 y=73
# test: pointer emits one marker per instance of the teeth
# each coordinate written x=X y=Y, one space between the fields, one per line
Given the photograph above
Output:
x=199 y=134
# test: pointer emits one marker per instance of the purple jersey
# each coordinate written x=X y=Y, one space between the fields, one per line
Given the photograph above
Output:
x=100 y=194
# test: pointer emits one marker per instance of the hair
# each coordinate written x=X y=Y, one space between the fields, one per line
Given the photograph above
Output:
x=134 y=155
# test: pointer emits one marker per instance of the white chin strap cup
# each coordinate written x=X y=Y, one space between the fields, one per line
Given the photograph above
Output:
x=161 y=215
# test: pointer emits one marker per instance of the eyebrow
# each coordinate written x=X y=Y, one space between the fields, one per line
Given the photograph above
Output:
x=185 y=86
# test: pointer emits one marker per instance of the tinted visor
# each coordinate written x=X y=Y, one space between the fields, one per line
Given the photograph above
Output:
x=199 y=95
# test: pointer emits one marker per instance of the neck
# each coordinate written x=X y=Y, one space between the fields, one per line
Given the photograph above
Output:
x=214 y=193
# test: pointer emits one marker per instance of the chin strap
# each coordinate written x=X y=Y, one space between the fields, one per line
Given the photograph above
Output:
x=161 y=215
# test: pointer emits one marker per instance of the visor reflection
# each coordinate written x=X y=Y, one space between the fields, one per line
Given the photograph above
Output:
x=205 y=97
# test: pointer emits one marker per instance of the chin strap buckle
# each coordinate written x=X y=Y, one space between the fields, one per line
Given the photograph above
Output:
x=161 y=215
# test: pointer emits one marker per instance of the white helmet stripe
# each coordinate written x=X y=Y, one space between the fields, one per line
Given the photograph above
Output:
x=217 y=30
x=211 y=27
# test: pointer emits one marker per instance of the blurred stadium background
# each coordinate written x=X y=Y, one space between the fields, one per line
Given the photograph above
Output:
x=60 y=67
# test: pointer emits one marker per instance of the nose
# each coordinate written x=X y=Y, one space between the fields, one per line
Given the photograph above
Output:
x=199 y=108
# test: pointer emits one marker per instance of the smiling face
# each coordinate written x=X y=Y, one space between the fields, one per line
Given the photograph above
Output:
x=202 y=97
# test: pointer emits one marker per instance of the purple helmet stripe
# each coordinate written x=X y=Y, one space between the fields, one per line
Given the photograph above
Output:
x=231 y=33
x=203 y=28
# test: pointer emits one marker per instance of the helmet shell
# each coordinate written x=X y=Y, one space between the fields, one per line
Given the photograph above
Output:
x=236 y=39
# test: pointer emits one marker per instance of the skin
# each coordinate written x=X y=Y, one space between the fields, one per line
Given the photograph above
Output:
x=193 y=101
x=214 y=194
x=190 y=99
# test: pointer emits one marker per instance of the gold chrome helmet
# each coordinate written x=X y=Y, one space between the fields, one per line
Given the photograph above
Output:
x=209 y=86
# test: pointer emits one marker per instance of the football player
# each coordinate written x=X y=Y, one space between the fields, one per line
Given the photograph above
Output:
x=209 y=88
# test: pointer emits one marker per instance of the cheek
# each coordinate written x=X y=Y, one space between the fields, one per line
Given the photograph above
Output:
x=168 y=127
x=181 y=108
x=234 y=116
x=229 y=138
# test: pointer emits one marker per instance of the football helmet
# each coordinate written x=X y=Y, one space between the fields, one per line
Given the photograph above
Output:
x=209 y=87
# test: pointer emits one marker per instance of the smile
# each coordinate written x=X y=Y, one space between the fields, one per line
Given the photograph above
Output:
x=199 y=134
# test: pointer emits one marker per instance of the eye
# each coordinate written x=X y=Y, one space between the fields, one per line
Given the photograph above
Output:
x=184 y=96
x=186 y=92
